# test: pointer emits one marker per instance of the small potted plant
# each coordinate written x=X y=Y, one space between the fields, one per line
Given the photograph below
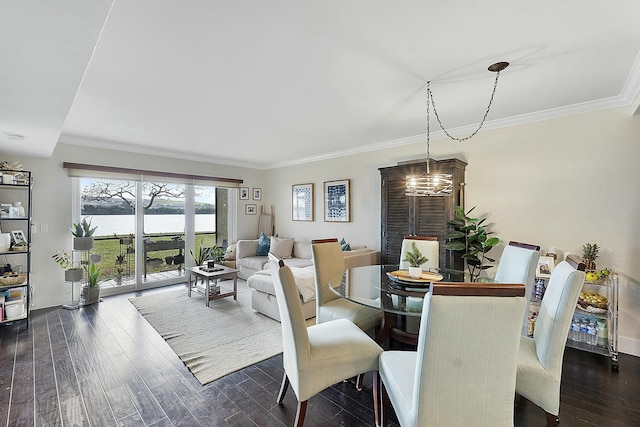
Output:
x=415 y=259
x=71 y=273
x=83 y=235
x=91 y=291
x=589 y=255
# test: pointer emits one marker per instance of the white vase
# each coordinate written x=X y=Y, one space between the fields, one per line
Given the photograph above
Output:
x=5 y=242
x=21 y=212
x=415 y=272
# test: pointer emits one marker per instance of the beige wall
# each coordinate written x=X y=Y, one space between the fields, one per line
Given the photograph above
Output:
x=558 y=183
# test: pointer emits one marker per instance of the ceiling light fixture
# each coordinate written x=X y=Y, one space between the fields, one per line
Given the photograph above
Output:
x=441 y=184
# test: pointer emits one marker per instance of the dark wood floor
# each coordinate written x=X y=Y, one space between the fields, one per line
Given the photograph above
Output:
x=104 y=365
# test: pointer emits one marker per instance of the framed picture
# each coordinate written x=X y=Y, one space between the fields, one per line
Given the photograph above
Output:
x=18 y=237
x=545 y=267
x=302 y=202
x=250 y=209
x=336 y=201
x=244 y=193
x=257 y=194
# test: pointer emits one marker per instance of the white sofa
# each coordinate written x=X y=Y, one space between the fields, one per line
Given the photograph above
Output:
x=263 y=297
x=248 y=263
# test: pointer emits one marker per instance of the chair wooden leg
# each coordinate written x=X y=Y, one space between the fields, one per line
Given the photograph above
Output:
x=283 y=389
x=552 y=420
x=300 y=413
x=359 y=381
x=376 y=397
x=383 y=402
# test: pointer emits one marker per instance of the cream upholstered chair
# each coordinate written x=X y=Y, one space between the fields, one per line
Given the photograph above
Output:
x=428 y=246
x=321 y=355
x=540 y=357
x=328 y=262
x=464 y=370
x=518 y=265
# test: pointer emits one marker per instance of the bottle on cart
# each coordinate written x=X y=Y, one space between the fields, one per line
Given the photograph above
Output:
x=602 y=332
x=592 y=337
x=574 y=332
x=583 y=329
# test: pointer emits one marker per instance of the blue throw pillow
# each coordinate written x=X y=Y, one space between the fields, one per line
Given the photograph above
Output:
x=263 y=245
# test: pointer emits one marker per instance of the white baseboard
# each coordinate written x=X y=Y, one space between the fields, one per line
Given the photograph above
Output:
x=629 y=346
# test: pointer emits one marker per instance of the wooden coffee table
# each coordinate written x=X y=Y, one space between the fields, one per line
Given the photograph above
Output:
x=212 y=292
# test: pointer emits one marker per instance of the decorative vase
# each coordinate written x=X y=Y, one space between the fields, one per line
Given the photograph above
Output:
x=83 y=243
x=21 y=212
x=73 y=274
x=90 y=294
x=5 y=242
x=415 y=272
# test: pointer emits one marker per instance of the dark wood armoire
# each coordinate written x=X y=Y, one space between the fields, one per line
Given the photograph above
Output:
x=425 y=216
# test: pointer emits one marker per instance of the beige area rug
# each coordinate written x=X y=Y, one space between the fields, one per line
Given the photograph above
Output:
x=212 y=341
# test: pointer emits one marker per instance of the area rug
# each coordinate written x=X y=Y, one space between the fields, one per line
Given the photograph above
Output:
x=212 y=341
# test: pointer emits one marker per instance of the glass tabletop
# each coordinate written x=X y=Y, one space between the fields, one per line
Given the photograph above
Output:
x=386 y=287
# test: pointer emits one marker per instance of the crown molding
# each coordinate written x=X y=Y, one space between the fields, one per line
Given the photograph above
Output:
x=152 y=151
x=552 y=113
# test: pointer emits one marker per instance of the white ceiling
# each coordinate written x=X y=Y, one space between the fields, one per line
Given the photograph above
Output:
x=270 y=83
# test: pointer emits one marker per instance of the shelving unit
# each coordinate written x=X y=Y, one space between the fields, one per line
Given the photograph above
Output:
x=609 y=289
x=16 y=186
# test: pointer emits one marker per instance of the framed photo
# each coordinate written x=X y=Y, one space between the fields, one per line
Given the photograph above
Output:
x=257 y=194
x=302 y=202
x=545 y=267
x=250 y=209
x=336 y=201
x=18 y=237
x=244 y=193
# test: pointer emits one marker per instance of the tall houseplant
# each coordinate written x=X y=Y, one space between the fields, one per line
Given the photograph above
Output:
x=470 y=237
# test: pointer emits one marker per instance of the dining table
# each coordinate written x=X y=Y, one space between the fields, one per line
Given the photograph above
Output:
x=391 y=290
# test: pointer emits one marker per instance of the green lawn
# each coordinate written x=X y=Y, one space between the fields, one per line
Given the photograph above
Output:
x=110 y=248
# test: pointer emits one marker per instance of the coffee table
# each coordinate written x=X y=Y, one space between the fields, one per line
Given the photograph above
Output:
x=216 y=292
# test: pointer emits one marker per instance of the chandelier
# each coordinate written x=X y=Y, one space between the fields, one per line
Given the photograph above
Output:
x=441 y=184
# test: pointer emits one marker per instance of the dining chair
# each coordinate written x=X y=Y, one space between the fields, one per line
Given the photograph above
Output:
x=540 y=357
x=518 y=265
x=464 y=370
x=328 y=262
x=320 y=355
x=428 y=246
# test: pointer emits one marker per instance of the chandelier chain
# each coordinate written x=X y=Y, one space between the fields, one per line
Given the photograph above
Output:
x=459 y=139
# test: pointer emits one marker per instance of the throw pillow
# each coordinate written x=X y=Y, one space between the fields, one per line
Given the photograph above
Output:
x=281 y=247
x=230 y=254
x=263 y=245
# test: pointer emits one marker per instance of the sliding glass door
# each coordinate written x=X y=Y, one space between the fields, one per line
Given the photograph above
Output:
x=172 y=220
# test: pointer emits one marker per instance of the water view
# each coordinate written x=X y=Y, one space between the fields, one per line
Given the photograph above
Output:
x=108 y=225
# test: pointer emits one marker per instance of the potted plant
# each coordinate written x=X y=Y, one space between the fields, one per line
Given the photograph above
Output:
x=589 y=255
x=415 y=259
x=71 y=273
x=83 y=235
x=91 y=291
x=119 y=274
x=204 y=254
x=472 y=238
